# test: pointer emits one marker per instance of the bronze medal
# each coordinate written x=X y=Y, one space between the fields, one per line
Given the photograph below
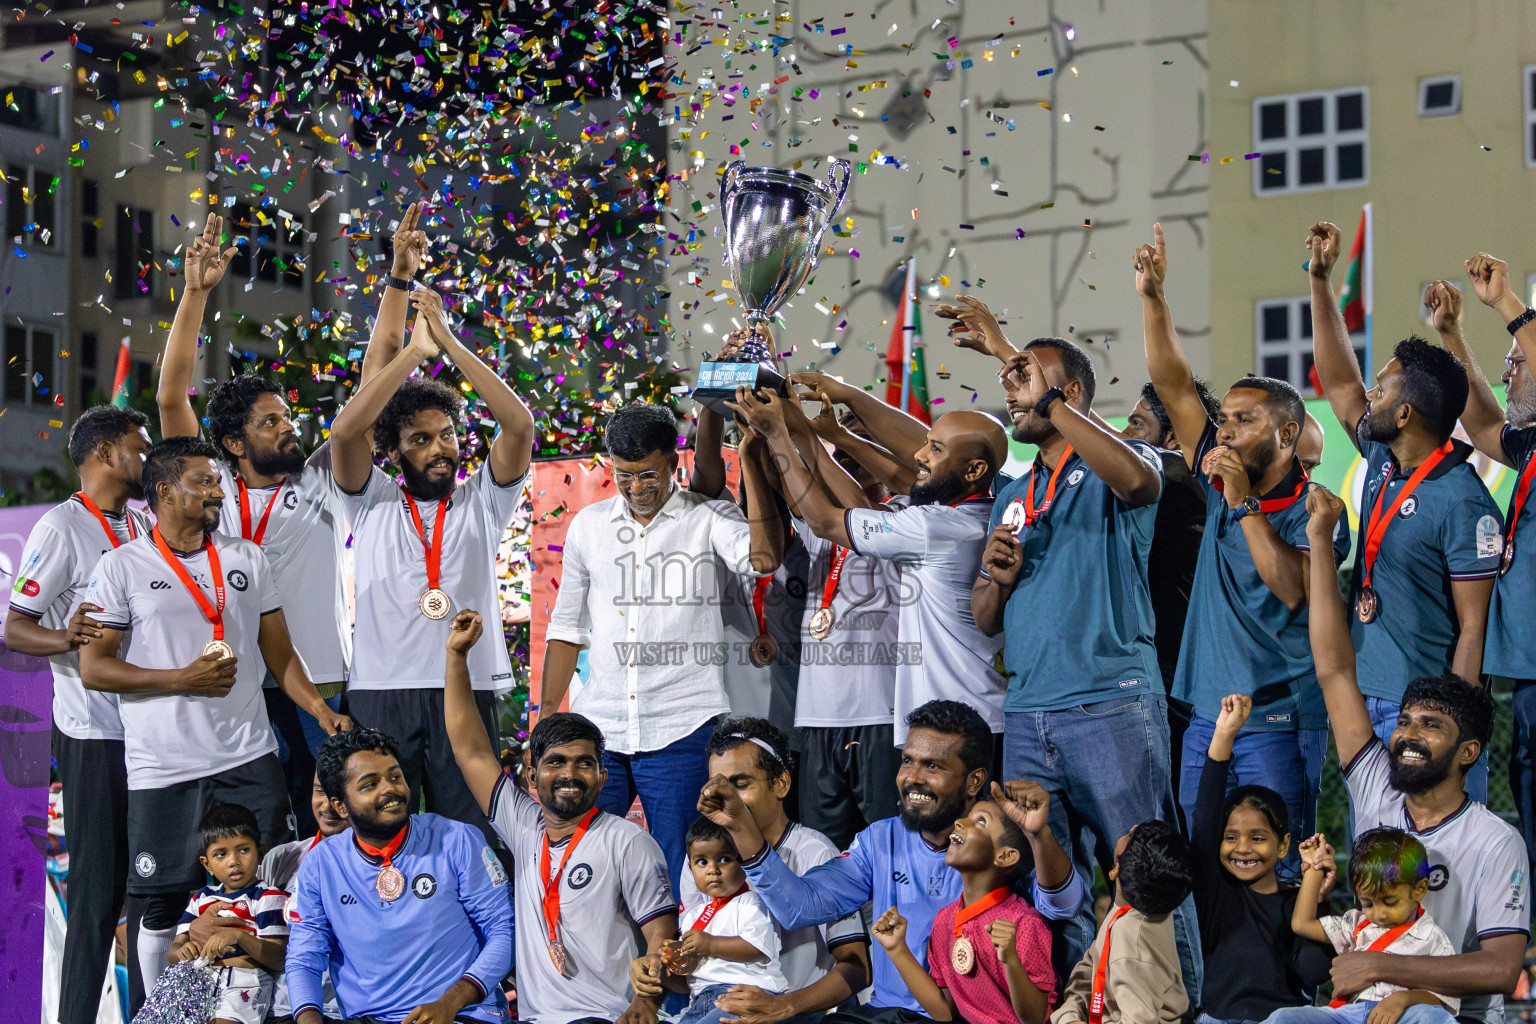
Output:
x=218 y=648
x=1367 y=605
x=435 y=604
x=557 y=956
x=1014 y=517
x=962 y=956
x=764 y=651
x=1507 y=559
x=390 y=883
x=821 y=623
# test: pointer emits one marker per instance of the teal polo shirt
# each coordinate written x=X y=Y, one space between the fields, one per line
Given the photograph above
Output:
x=1447 y=530
x=1239 y=637
x=1511 y=647
x=1078 y=628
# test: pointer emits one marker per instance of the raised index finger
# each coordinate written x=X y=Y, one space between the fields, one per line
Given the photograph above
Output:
x=1157 y=239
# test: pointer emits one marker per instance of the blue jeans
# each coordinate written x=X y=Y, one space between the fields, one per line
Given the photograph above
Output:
x=1272 y=759
x=701 y=1006
x=1522 y=762
x=1314 y=753
x=1356 y=1013
x=1384 y=719
x=668 y=783
x=1107 y=767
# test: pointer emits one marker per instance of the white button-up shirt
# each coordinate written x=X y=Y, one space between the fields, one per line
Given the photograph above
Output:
x=644 y=599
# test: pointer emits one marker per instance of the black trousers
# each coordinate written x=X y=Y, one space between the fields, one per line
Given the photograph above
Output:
x=95 y=779
x=415 y=719
x=847 y=779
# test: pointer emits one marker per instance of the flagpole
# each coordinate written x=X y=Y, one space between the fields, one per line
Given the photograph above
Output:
x=1367 y=272
x=906 y=334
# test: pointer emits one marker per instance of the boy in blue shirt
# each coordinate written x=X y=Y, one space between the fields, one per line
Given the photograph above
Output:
x=430 y=882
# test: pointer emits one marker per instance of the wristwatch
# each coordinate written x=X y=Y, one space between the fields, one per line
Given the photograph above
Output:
x=390 y=281
x=1249 y=507
x=1043 y=407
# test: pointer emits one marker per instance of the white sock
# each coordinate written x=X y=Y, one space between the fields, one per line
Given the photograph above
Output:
x=153 y=946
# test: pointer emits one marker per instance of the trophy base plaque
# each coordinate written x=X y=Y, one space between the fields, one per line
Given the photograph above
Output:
x=718 y=382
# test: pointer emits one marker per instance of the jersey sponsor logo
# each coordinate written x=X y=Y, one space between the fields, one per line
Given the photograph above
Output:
x=498 y=678
x=877 y=526
x=1075 y=477
x=900 y=878
x=580 y=875
x=423 y=886
x=291 y=910
x=238 y=579
x=159 y=585
x=27 y=588
x=1410 y=506
x=144 y=864
x=1439 y=877
x=347 y=899
x=493 y=868
x=1490 y=539
x=1126 y=684
x=1277 y=718
x=663 y=882
x=34 y=560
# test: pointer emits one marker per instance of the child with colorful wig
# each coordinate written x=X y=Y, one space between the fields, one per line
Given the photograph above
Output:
x=1389 y=873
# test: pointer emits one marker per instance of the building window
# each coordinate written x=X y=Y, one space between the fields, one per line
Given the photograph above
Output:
x=1530 y=116
x=1284 y=350
x=272 y=246
x=1309 y=141
x=89 y=361
x=90 y=218
x=31 y=207
x=134 y=259
x=1440 y=96
x=29 y=364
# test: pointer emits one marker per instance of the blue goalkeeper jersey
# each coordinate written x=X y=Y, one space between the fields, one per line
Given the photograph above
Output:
x=894 y=867
x=453 y=921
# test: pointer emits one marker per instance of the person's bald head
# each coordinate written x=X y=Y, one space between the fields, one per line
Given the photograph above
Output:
x=1309 y=446
x=964 y=452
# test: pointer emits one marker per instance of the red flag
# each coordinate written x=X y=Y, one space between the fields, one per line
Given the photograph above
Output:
x=120 y=379
x=1352 y=294
x=897 y=363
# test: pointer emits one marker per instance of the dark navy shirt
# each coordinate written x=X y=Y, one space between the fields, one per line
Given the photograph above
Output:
x=1239 y=637
x=1448 y=530
x=1511 y=648
x=1078 y=628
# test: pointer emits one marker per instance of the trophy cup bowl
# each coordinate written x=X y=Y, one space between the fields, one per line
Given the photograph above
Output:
x=774 y=220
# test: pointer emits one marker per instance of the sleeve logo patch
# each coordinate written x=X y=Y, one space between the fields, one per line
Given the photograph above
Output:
x=1490 y=540
x=27 y=588
x=1075 y=477
x=493 y=869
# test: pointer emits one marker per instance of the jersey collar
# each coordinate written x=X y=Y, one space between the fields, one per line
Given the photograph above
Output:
x=370 y=858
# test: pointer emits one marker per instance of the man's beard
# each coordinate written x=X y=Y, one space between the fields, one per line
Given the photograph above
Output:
x=939 y=490
x=1263 y=456
x=1370 y=430
x=1417 y=778
x=1033 y=429
x=211 y=518
x=422 y=486
x=942 y=814
x=281 y=461
x=1520 y=407
x=565 y=807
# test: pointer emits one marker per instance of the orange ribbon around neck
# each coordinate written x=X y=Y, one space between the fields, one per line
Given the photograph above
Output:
x=715 y=904
x=1101 y=972
x=980 y=907
x=101 y=517
x=1031 y=513
x=435 y=546
x=1383 y=940
x=212 y=611
x=1377 y=528
x=551 y=899
x=385 y=852
x=245 y=511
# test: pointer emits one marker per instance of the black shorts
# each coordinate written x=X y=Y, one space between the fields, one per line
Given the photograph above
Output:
x=163 y=839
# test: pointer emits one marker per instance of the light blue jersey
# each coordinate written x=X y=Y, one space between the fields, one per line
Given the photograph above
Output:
x=453 y=921
x=895 y=867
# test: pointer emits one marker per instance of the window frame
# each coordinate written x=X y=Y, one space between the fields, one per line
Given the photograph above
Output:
x=34 y=239
x=30 y=397
x=1295 y=346
x=1432 y=80
x=1330 y=140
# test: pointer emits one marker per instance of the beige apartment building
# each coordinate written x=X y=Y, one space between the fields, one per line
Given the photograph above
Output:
x=1424 y=109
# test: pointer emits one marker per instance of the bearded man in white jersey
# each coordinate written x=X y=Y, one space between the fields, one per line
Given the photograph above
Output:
x=1479 y=891
x=48 y=618
x=190 y=624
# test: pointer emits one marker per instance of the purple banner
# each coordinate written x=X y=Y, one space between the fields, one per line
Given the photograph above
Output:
x=26 y=697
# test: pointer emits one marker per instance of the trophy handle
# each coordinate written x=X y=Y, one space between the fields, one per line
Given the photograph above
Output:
x=841 y=189
x=728 y=182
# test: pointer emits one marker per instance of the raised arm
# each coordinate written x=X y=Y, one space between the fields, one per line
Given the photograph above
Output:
x=466 y=732
x=1132 y=479
x=808 y=436
x=976 y=328
x=202 y=268
x=901 y=434
x=1317 y=874
x=1166 y=362
x=352 y=430
x=1482 y=418
x=410 y=247
x=1490 y=280
x=292 y=677
x=1333 y=651
x=512 y=449
x=890 y=930
x=806 y=498
x=1334 y=356
x=765 y=520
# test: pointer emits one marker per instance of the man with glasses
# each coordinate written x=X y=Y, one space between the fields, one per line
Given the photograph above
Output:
x=640 y=590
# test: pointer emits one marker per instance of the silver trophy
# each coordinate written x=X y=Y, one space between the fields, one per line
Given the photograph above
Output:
x=774 y=221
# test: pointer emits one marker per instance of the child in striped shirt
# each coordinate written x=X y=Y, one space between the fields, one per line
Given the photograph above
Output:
x=250 y=947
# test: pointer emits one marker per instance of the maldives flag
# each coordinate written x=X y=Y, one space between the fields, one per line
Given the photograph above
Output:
x=120 y=379
x=1352 y=297
x=905 y=370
